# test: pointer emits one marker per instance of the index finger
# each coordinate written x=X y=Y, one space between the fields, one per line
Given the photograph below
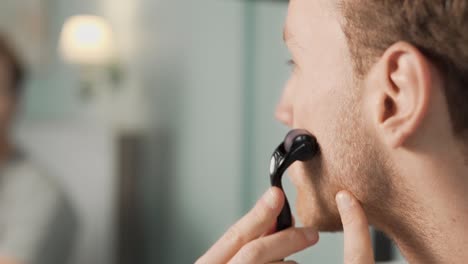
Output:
x=357 y=241
x=251 y=226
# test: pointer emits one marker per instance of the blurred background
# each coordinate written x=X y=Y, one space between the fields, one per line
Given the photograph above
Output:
x=155 y=116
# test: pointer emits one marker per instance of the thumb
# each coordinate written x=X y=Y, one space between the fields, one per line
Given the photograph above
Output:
x=357 y=241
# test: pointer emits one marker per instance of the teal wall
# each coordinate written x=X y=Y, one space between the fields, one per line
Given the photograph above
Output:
x=195 y=78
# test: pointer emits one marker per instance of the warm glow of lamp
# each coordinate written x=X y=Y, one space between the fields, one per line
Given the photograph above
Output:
x=87 y=40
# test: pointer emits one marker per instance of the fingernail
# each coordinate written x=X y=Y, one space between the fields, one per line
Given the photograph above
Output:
x=311 y=235
x=343 y=200
x=270 y=199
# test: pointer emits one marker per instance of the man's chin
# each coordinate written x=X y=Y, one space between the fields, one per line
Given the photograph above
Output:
x=316 y=216
x=315 y=202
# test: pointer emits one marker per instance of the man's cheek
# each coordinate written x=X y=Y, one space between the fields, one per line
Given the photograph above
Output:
x=314 y=115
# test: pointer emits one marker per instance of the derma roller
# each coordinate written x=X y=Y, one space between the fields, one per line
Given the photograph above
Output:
x=298 y=145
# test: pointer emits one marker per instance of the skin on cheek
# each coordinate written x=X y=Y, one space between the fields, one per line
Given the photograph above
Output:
x=325 y=101
x=348 y=159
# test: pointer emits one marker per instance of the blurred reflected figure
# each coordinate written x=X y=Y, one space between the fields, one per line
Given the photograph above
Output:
x=37 y=223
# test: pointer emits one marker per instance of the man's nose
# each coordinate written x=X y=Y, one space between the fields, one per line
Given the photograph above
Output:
x=284 y=110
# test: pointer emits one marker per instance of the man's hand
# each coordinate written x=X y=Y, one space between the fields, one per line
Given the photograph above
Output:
x=251 y=239
x=357 y=241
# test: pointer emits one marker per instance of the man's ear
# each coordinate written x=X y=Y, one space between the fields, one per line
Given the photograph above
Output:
x=401 y=83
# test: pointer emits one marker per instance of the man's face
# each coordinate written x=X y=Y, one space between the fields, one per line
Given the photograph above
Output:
x=323 y=96
x=7 y=99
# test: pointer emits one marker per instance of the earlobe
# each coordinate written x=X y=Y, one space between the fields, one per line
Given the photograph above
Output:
x=404 y=94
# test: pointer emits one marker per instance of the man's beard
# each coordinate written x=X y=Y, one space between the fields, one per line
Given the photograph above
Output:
x=351 y=161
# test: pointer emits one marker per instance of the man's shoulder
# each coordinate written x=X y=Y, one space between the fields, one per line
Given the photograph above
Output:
x=35 y=212
x=27 y=190
x=26 y=177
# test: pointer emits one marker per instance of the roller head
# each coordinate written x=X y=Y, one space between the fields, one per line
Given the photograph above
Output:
x=300 y=144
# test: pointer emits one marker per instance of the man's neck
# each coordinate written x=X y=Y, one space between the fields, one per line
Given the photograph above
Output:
x=430 y=225
x=439 y=236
